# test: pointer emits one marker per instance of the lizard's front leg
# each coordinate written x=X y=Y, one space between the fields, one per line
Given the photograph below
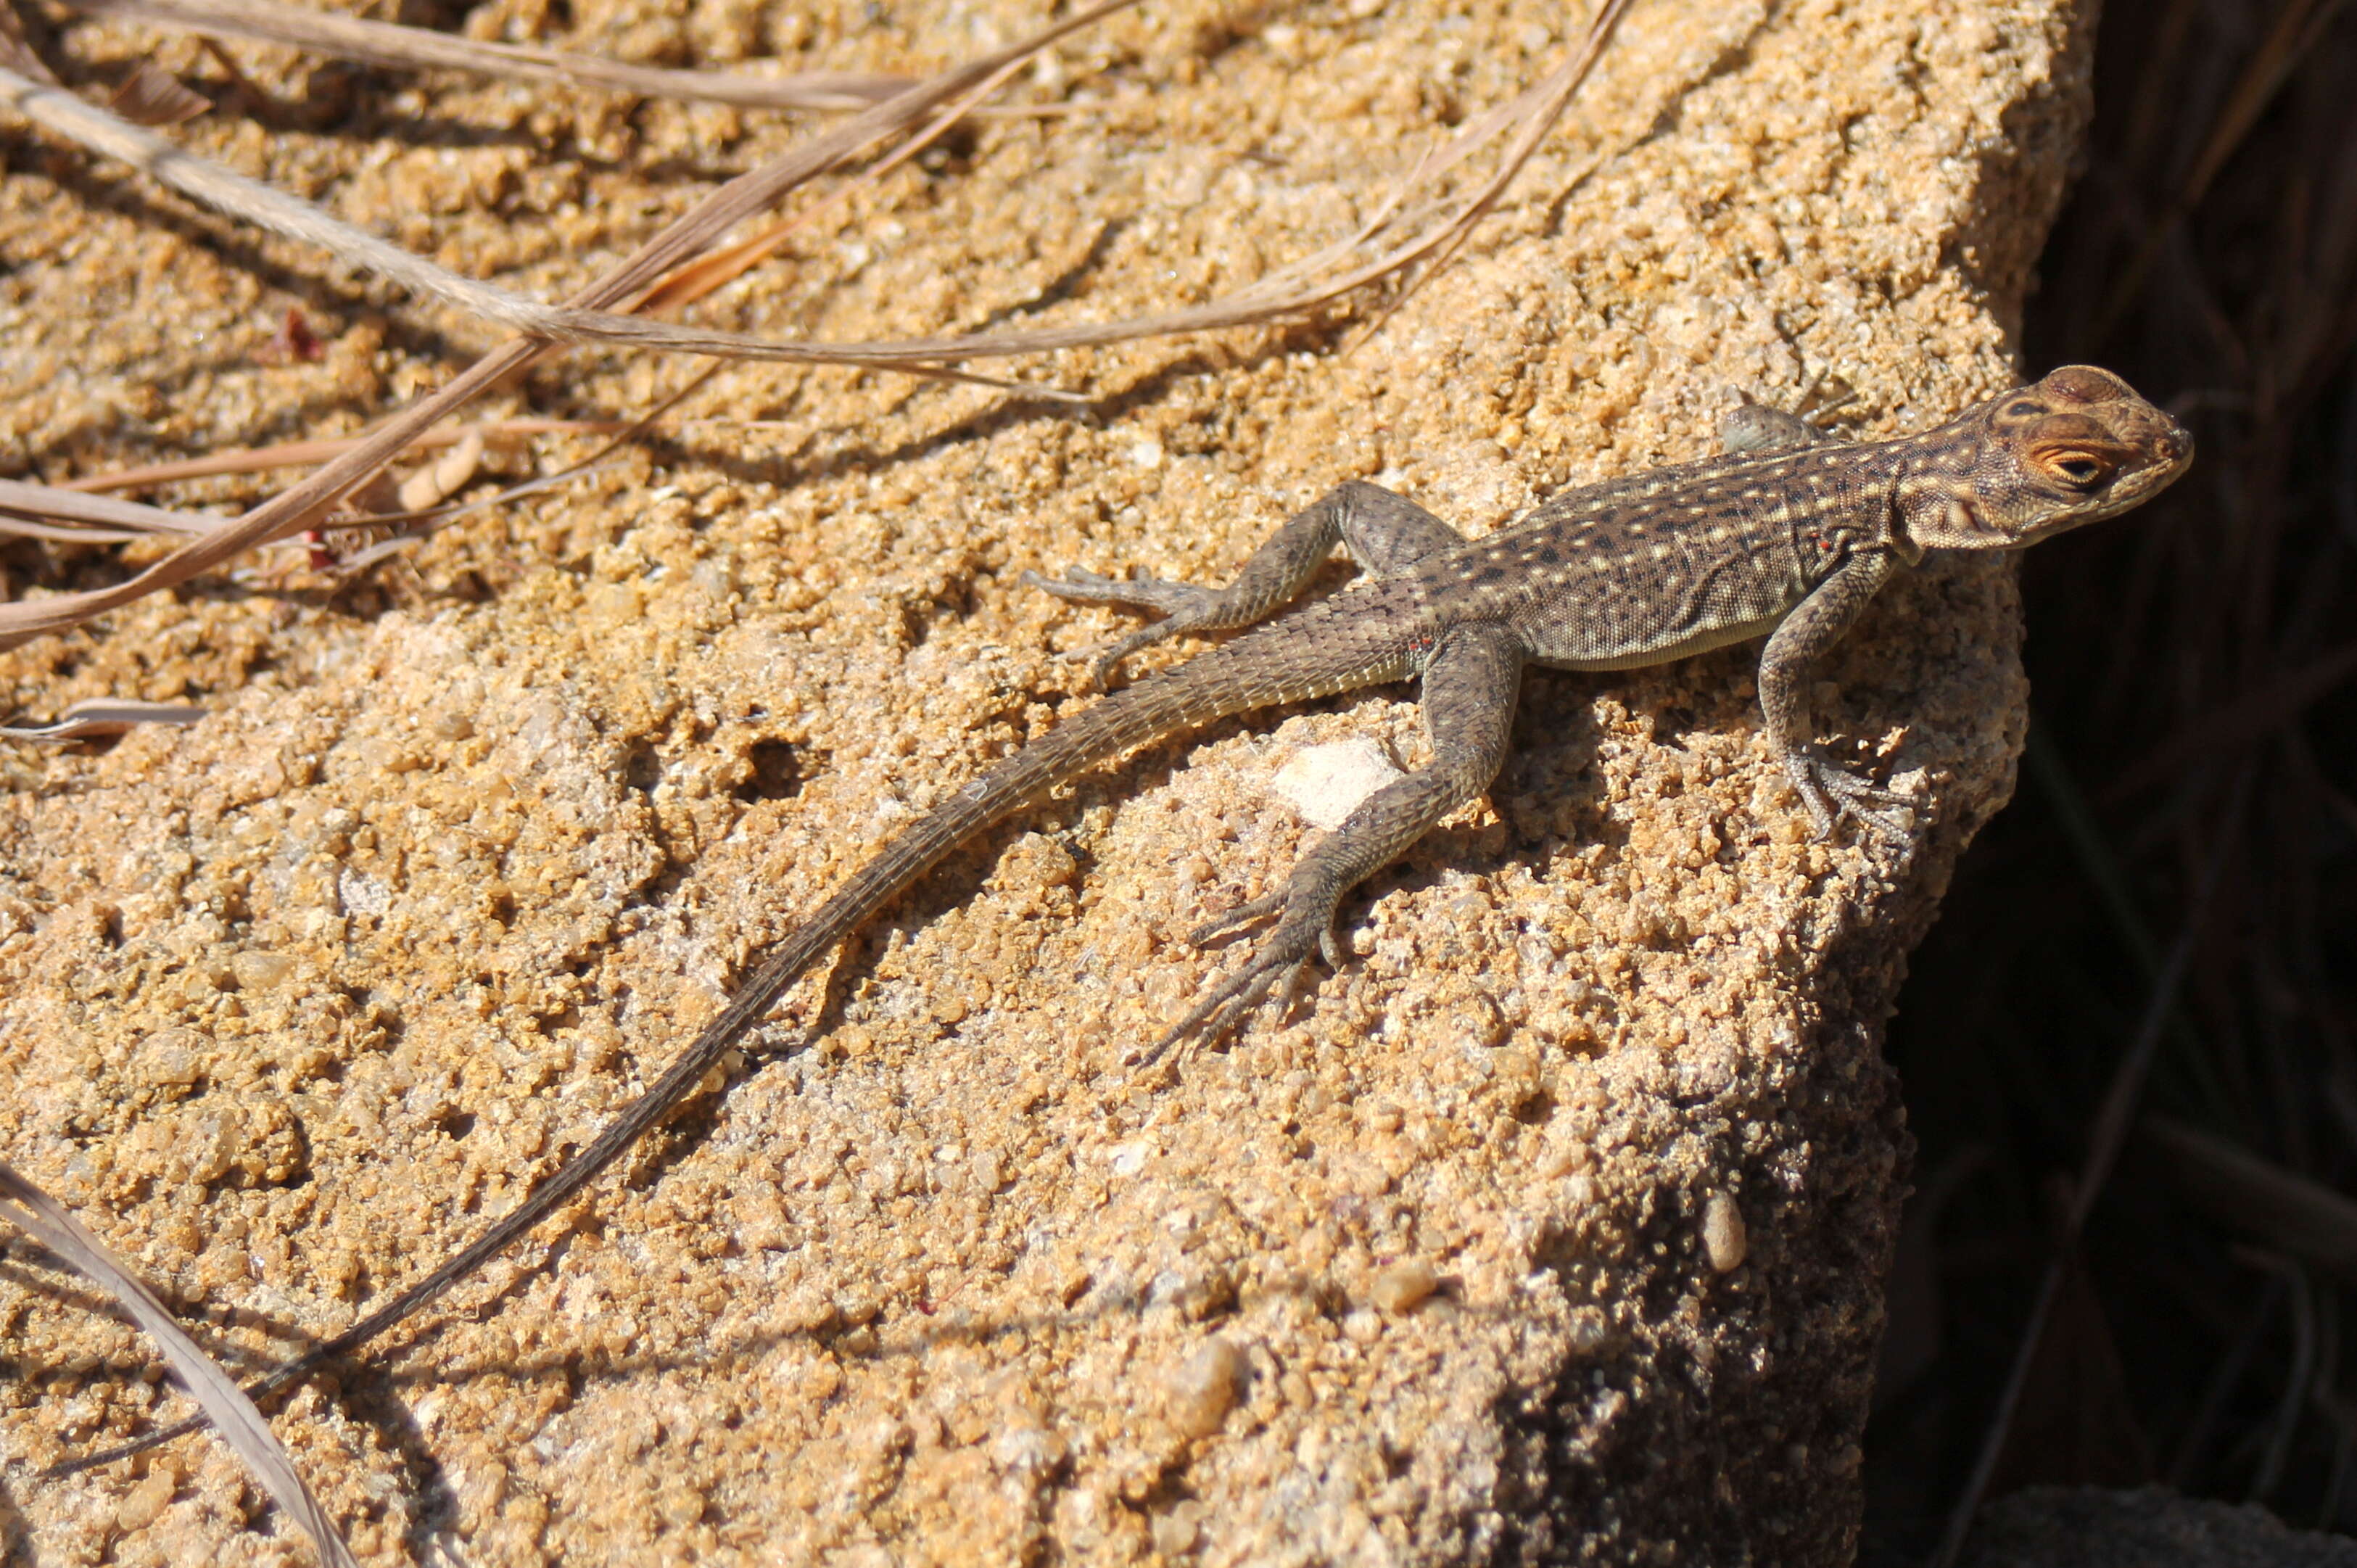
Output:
x=1469 y=688
x=1830 y=793
x=1383 y=533
x=1755 y=430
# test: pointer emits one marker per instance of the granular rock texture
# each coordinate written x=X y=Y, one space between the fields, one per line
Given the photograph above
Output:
x=1549 y=1229
x=2151 y=1527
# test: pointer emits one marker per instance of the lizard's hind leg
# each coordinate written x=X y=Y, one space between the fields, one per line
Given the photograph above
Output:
x=1755 y=430
x=1470 y=689
x=1383 y=533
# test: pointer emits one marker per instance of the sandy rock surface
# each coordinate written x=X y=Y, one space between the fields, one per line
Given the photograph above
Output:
x=2150 y=1527
x=1550 y=1228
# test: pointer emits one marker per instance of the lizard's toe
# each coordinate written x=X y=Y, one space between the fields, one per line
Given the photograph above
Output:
x=1278 y=957
x=1242 y=915
x=1078 y=583
x=1082 y=586
x=1184 y=607
x=1834 y=794
x=1893 y=823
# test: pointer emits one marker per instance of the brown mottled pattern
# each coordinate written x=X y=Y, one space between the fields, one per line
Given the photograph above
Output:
x=1630 y=572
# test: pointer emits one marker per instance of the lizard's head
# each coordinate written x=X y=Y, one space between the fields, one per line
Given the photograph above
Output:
x=2074 y=447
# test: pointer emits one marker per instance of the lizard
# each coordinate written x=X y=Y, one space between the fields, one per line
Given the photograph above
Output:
x=1789 y=534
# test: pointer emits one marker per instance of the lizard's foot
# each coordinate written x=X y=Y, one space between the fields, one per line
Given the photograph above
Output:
x=1302 y=931
x=1184 y=604
x=1832 y=793
x=1755 y=429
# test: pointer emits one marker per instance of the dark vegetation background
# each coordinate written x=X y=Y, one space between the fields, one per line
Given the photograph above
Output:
x=2195 y=698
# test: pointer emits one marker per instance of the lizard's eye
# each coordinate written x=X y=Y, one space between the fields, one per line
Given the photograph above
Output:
x=2083 y=469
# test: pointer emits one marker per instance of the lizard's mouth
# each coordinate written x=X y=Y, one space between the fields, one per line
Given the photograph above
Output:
x=2171 y=454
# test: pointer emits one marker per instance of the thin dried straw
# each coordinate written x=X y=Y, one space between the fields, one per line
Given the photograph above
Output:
x=299 y=506
x=381 y=43
x=304 y=454
x=39 y=1216
x=44 y=511
x=1290 y=289
x=104 y=716
x=265 y=207
x=15 y=51
x=589 y=318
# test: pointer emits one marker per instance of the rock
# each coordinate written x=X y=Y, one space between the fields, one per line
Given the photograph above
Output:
x=2151 y=1527
x=1724 y=1239
x=1326 y=783
x=502 y=820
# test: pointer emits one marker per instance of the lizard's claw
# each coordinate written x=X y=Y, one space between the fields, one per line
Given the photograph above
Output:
x=1278 y=958
x=1183 y=605
x=1832 y=792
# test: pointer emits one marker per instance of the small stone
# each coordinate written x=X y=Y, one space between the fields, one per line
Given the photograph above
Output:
x=1326 y=783
x=1199 y=1393
x=1565 y=1159
x=261 y=971
x=1177 y=1532
x=170 y=1059
x=1724 y=1239
x=1037 y=861
x=141 y=1505
x=1403 y=1287
x=682 y=1507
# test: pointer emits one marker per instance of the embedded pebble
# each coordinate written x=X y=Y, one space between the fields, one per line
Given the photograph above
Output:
x=1724 y=1239
x=1200 y=1391
x=1403 y=1287
x=1326 y=783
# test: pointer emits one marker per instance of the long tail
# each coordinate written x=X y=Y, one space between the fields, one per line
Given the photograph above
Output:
x=1312 y=654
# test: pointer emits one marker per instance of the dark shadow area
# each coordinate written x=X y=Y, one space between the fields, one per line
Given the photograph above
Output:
x=2210 y=255
x=16 y=1545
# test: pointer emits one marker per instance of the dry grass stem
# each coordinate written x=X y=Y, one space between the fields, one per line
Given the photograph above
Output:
x=307 y=454
x=298 y=507
x=37 y=1214
x=591 y=316
x=104 y=716
x=45 y=511
x=380 y=534
x=2297 y=1214
x=383 y=43
x=1313 y=281
x=15 y=50
x=265 y=207
x=155 y=97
